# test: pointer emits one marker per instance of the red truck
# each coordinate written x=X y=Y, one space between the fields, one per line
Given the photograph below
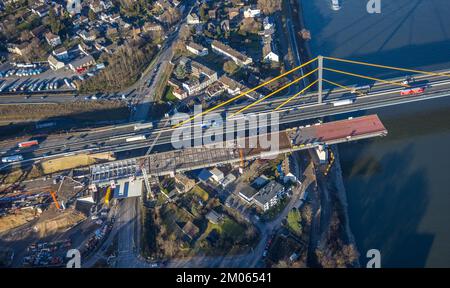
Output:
x=28 y=144
x=412 y=91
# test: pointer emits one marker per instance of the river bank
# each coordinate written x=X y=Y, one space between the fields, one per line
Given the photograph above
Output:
x=331 y=188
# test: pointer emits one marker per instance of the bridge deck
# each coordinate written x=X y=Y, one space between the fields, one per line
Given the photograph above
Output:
x=290 y=140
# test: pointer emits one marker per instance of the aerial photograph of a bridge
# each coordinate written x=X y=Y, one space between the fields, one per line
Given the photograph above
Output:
x=245 y=134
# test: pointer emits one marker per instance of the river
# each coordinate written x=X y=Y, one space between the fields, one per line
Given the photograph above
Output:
x=397 y=186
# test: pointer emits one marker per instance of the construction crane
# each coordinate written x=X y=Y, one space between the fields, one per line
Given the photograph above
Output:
x=53 y=194
x=108 y=195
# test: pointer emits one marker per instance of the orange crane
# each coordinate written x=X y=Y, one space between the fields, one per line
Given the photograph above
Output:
x=53 y=194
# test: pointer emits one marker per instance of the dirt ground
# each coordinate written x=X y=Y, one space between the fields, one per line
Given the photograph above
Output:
x=15 y=220
x=53 y=221
x=71 y=162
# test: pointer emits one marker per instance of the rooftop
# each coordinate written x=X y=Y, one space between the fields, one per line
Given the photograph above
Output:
x=219 y=45
x=268 y=192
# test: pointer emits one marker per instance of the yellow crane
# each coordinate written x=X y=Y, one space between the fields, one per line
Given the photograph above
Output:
x=108 y=195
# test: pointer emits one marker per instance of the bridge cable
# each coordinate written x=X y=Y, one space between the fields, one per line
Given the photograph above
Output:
x=244 y=93
x=274 y=92
x=343 y=87
x=366 y=77
x=296 y=95
x=387 y=67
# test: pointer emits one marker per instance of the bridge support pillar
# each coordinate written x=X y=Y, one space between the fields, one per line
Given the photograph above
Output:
x=320 y=77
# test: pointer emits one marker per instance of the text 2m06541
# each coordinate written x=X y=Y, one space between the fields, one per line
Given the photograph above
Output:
x=245 y=277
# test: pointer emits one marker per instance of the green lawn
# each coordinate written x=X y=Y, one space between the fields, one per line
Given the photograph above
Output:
x=200 y=192
x=168 y=96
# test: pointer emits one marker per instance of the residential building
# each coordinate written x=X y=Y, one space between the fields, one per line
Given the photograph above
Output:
x=73 y=6
x=54 y=63
x=214 y=217
x=183 y=183
x=229 y=179
x=19 y=49
x=61 y=53
x=231 y=53
x=52 y=39
x=80 y=64
x=148 y=26
x=269 y=195
x=87 y=36
x=233 y=12
x=193 y=19
x=268 y=51
x=246 y=192
x=41 y=11
x=251 y=12
x=204 y=76
x=39 y=31
x=204 y=175
x=217 y=175
x=96 y=6
x=180 y=94
x=196 y=49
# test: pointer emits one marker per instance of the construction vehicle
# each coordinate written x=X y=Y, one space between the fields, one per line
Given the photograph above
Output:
x=108 y=195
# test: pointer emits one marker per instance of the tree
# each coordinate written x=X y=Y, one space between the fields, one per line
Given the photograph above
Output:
x=203 y=13
x=56 y=24
x=307 y=213
x=91 y=15
x=230 y=67
x=293 y=221
x=269 y=6
x=180 y=72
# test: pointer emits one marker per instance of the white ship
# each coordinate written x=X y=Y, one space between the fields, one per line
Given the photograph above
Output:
x=335 y=5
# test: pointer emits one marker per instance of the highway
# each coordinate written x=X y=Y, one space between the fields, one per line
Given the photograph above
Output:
x=113 y=139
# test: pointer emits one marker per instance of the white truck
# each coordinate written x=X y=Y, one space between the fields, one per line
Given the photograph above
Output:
x=342 y=102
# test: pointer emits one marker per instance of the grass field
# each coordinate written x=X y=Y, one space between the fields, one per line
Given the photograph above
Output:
x=200 y=192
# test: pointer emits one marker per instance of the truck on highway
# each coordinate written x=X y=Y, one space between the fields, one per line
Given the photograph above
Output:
x=412 y=91
x=10 y=159
x=342 y=102
x=143 y=126
x=136 y=138
x=26 y=144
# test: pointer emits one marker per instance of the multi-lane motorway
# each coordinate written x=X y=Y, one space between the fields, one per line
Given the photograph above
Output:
x=114 y=139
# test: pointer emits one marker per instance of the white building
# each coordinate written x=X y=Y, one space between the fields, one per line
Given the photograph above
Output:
x=196 y=49
x=229 y=52
x=250 y=12
x=73 y=7
x=217 y=175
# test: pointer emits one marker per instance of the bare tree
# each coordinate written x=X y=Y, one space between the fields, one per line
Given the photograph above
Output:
x=269 y=6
